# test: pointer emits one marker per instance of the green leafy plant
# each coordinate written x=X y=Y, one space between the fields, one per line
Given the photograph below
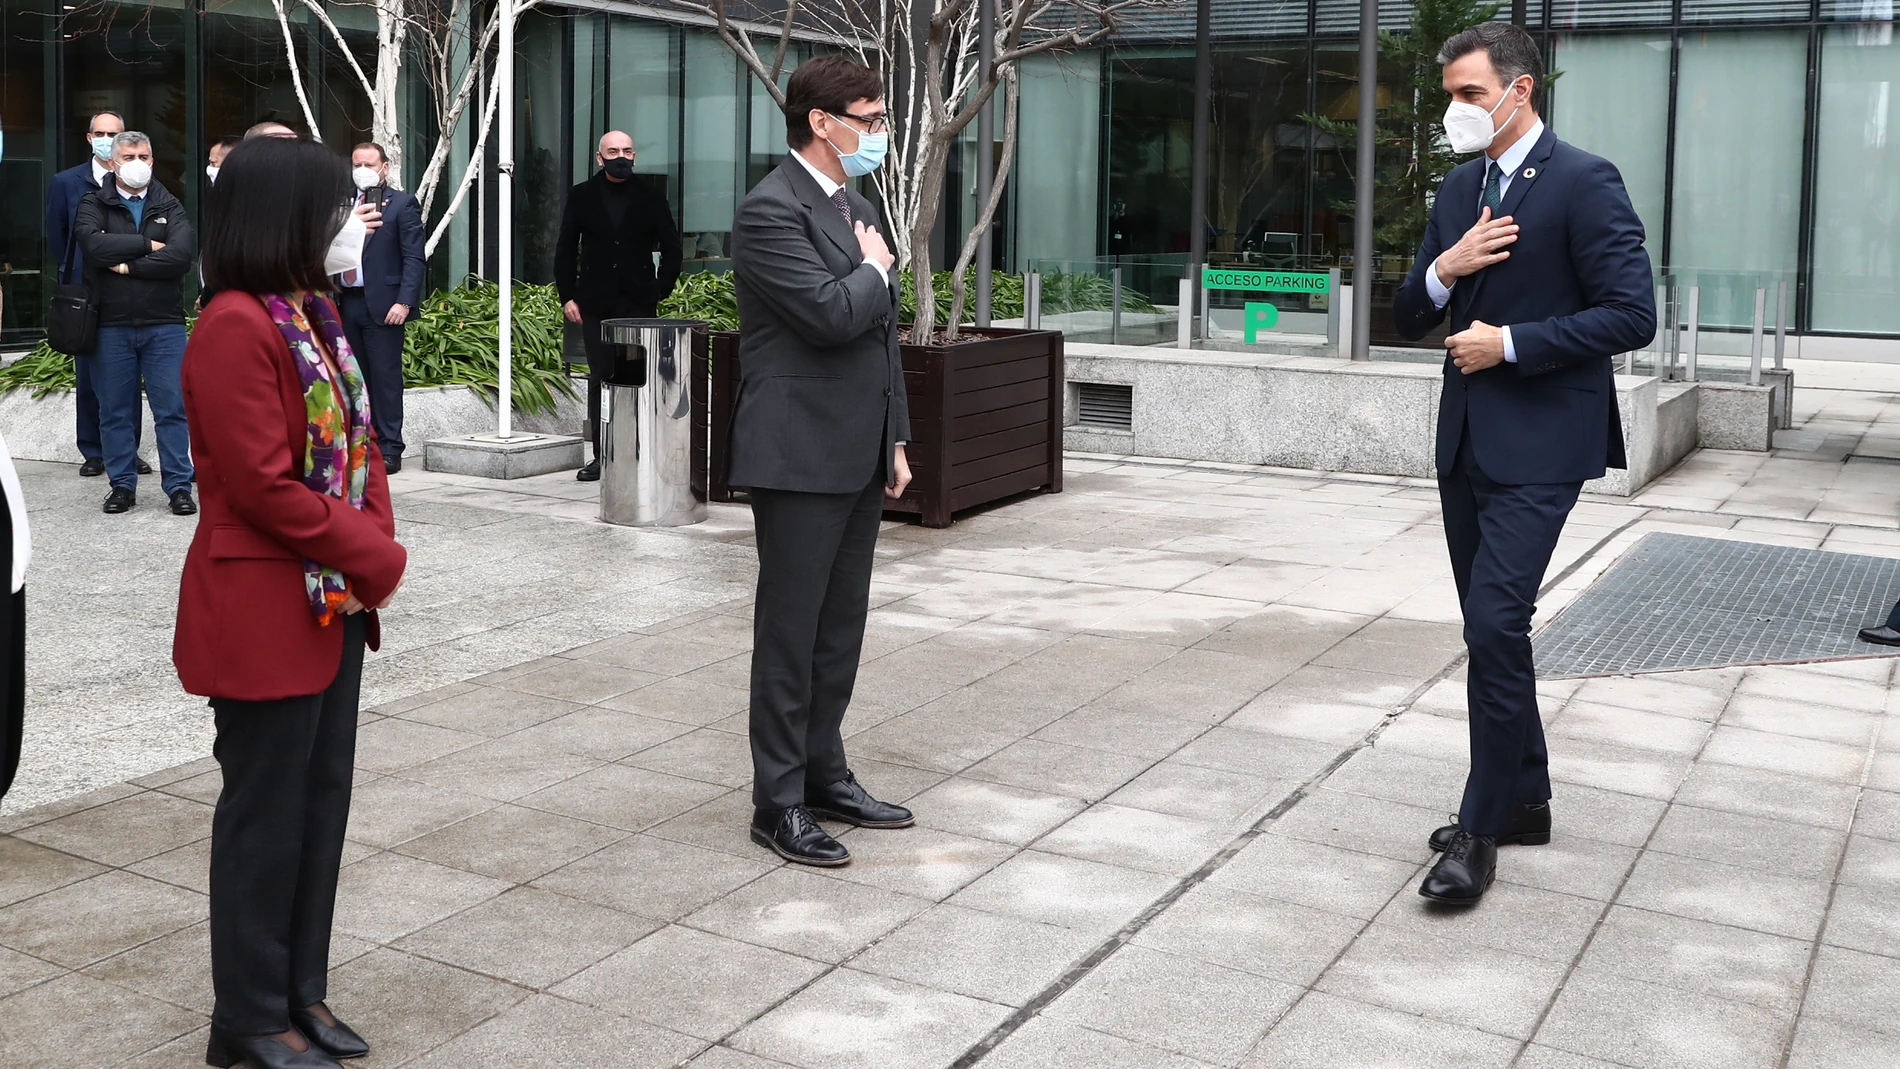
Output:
x=452 y=342
x=43 y=371
x=455 y=340
x=707 y=296
x=1084 y=291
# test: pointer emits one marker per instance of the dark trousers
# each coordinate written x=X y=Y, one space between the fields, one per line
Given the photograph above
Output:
x=1501 y=538
x=86 y=409
x=601 y=356
x=815 y=555
x=276 y=845
x=152 y=356
x=378 y=349
x=12 y=657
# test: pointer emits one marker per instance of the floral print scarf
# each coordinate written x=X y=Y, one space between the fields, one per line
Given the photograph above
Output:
x=336 y=443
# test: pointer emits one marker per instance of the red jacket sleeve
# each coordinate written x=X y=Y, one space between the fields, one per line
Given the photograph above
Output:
x=235 y=401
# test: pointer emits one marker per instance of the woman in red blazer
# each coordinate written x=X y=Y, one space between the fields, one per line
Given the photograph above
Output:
x=296 y=549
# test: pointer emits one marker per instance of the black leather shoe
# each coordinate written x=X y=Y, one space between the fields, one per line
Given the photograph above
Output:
x=92 y=468
x=1464 y=871
x=392 y=465
x=1880 y=636
x=144 y=468
x=337 y=1040
x=120 y=500
x=183 y=505
x=1529 y=826
x=262 y=1052
x=794 y=835
x=590 y=473
x=846 y=801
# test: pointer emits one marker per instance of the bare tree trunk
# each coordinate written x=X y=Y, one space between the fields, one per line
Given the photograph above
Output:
x=986 y=212
x=296 y=73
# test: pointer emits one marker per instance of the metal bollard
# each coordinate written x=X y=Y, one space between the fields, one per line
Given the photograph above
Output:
x=1781 y=322
x=1754 y=343
x=1184 y=315
x=1695 y=333
x=1115 y=307
x=1032 y=300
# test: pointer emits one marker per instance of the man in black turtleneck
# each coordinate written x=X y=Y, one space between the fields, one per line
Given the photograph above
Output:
x=603 y=262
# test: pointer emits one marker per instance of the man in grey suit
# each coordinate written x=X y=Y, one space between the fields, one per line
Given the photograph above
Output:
x=818 y=439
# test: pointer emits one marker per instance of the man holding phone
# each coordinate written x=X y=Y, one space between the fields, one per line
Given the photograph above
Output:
x=380 y=298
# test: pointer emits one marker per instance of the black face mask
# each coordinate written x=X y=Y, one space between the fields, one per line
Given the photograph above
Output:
x=619 y=168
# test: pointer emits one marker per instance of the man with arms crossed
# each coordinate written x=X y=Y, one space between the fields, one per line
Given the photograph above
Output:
x=1536 y=255
x=818 y=438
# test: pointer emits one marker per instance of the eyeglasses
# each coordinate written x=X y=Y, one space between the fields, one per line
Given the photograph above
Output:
x=873 y=124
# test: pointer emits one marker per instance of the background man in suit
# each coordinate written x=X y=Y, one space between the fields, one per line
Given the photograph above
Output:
x=1535 y=253
x=603 y=261
x=69 y=187
x=818 y=438
x=378 y=299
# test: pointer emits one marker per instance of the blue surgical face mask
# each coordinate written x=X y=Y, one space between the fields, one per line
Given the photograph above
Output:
x=102 y=148
x=868 y=157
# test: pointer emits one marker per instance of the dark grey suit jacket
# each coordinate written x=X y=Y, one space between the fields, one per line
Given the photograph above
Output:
x=821 y=395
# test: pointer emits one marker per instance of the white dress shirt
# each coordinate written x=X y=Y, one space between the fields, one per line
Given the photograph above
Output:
x=831 y=190
x=1508 y=165
x=99 y=172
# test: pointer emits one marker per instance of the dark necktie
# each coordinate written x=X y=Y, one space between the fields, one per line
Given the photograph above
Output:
x=843 y=202
x=1493 y=198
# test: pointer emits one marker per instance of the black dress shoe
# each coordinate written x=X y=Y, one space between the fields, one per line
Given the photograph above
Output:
x=182 y=504
x=846 y=801
x=262 y=1052
x=392 y=465
x=1880 y=636
x=92 y=467
x=1464 y=871
x=794 y=835
x=144 y=468
x=120 y=500
x=1529 y=826
x=337 y=1040
x=590 y=473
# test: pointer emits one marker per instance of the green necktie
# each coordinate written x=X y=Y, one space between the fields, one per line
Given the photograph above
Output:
x=1493 y=198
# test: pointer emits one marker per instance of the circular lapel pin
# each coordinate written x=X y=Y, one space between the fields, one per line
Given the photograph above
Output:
x=1530 y=172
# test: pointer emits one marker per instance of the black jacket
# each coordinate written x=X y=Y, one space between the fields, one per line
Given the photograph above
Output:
x=152 y=291
x=607 y=269
x=822 y=399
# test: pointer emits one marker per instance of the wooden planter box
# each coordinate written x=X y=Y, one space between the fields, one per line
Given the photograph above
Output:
x=985 y=416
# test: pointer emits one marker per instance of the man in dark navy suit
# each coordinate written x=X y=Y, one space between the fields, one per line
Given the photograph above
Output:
x=1536 y=254
x=379 y=299
x=68 y=188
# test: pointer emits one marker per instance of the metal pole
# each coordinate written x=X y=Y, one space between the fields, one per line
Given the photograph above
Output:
x=1332 y=310
x=1362 y=199
x=1695 y=332
x=1032 y=300
x=1184 y=316
x=985 y=154
x=1754 y=341
x=505 y=217
x=1203 y=119
x=1781 y=322
x=1115 y=307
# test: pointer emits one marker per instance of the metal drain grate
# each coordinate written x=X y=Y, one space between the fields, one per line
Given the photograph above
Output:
x=1676 y=601
x=1105 y=404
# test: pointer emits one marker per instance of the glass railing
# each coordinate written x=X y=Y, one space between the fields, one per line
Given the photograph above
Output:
x=1724 y=325
x=1117 y=300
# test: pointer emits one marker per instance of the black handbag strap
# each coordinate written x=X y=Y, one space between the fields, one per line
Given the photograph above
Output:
x=72 y=239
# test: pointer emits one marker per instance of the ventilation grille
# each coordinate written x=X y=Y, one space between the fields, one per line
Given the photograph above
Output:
x=1106 y=405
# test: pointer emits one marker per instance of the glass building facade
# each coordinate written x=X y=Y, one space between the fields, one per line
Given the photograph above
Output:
x=1757 y=137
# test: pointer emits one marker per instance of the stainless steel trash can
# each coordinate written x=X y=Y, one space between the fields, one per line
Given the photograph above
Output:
x=646 y=431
